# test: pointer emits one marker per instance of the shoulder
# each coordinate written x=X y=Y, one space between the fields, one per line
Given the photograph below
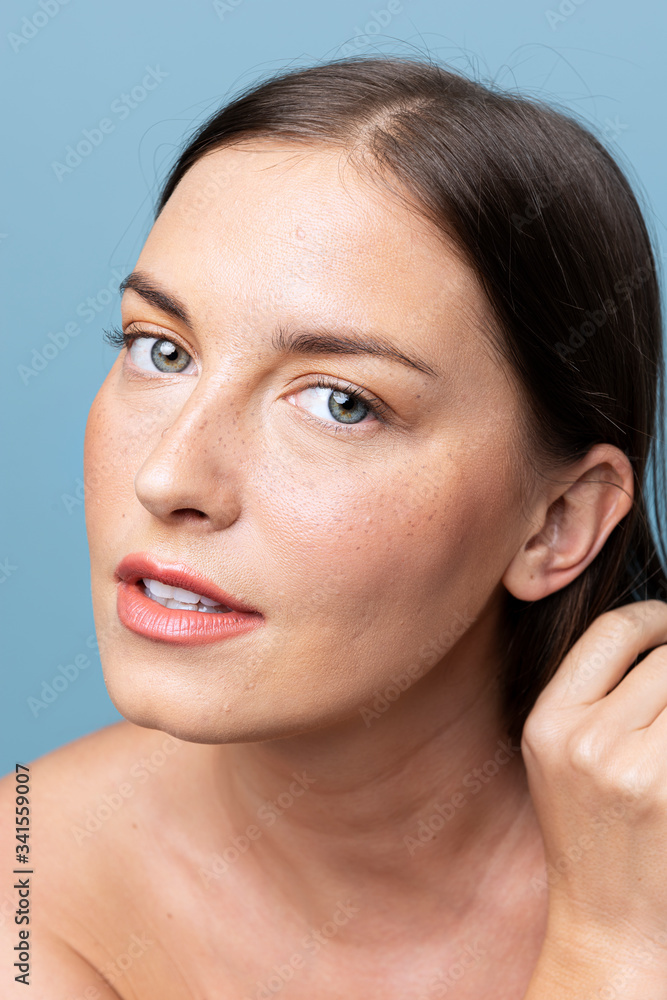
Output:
x=74 y=815
x=75 y=784
x=82 y=790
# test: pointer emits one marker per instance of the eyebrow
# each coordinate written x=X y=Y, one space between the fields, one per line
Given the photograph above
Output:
x=317 y=341
x=149 y=290
x=331 y=342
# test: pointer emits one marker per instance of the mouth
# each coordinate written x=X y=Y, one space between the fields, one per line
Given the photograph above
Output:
x=180 y=599
x=172 y=603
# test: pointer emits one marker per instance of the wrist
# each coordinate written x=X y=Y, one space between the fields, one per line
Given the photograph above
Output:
x=582 y=959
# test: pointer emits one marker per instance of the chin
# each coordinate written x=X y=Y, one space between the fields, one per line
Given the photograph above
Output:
x=195 y=717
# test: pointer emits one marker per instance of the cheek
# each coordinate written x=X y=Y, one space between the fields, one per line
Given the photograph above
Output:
x=101 y=459
x=374 y=548
x=123 y=428
x=120 y=433
x=108 y=475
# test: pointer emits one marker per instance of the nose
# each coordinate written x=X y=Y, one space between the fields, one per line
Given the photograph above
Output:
x=190 y=476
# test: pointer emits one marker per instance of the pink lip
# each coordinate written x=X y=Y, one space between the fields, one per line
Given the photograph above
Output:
x=187 y=628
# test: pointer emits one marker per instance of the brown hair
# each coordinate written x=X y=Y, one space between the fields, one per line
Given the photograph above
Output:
x=549 y=223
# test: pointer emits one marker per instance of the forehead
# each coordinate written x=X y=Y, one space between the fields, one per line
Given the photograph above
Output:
x=279 y=226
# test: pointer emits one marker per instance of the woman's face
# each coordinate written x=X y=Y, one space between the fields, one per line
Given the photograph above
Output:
x=359 y=529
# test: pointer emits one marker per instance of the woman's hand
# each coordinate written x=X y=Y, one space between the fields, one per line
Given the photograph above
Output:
x=595 y=749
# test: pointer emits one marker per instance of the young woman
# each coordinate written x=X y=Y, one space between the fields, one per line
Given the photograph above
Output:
x=367 y=488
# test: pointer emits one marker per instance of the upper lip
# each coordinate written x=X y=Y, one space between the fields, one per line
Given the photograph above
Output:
x=141 y=565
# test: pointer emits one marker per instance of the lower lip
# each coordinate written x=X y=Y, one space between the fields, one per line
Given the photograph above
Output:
x=183 y=628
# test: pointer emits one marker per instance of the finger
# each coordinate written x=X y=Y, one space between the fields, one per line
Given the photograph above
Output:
x=641 y=696
x=656 y=734
x=598 y=660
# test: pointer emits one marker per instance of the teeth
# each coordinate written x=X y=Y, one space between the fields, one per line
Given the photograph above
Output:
x=178 y=598
x=186 y=596
x=159 y=589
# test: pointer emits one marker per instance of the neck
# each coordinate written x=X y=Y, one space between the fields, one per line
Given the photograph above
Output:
x=425 y=800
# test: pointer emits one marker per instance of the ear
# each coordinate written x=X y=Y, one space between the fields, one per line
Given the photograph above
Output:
x=575 y=515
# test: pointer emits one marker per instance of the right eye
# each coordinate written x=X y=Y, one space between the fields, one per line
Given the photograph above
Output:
x=159 y=354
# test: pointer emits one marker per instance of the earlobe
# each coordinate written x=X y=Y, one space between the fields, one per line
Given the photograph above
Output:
x=576 y=517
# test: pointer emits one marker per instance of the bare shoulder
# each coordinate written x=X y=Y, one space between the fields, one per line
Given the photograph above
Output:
x=78 y=810
x=79 y=788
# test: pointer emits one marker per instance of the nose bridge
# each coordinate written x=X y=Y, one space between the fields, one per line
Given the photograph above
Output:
x=193 y=463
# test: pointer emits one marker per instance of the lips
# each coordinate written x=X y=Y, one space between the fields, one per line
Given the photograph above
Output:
x=145 y=616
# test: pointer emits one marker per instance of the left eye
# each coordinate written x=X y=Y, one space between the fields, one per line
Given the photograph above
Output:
x=151 y=353
x=334 y=405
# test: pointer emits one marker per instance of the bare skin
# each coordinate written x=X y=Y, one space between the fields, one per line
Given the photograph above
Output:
x=370 y=549
x=213 y=931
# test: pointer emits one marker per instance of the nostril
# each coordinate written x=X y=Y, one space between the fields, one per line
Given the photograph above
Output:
x=189 y=514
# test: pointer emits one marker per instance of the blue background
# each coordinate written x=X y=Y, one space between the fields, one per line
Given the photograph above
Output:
x=67 y=236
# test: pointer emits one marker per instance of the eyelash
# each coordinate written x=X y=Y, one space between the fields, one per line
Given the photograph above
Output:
x=115 y=337
x=372 y=403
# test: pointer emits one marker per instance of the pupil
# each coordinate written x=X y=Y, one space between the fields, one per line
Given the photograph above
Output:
x=168 y=357
x=346 y=407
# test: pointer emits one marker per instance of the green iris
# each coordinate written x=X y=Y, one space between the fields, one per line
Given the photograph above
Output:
x=168 y=357
x=346 y=407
